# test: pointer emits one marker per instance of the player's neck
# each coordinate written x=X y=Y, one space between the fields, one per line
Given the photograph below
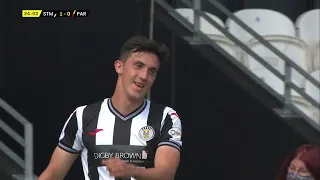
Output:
x=124 y=105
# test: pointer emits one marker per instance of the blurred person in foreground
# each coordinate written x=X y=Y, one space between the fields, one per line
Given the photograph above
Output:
x=301 y=164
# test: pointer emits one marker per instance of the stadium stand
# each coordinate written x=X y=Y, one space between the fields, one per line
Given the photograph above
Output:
x=279 y=31
x=211 y=31
x=299 y=41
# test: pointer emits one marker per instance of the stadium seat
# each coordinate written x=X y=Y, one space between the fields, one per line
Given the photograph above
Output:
x=316 y=58
x=294 y=49
x=269 y=78
x=263 y=21
x=279 y=31
x=311 y=89
x=308 y=28
x=311 y=111
x=307 y=25
x=212 y=32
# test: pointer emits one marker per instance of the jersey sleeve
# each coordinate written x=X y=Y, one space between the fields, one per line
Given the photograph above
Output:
x=70 y=137
x=171 y=129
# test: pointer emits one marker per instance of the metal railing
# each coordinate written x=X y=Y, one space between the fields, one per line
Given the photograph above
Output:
x=151 y=26
x=26 y=141
x=289 y=64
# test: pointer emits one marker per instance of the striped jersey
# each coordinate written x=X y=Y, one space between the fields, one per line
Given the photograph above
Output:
x=98 y=131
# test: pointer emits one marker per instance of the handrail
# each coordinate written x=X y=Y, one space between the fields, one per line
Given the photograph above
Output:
x=151 y=26
x=13 y=112
x=288 y=105
x=285 y=78
x=191 y=27
x=11 y=132
x=264 y=42
x=27 y=142
x=12 y=155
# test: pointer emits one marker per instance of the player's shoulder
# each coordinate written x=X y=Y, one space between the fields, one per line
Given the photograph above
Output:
x=165 y=109
x=158 y=106
x=90 y=110
x=91 y=106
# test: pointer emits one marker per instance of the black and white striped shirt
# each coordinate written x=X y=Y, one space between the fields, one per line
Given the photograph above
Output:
x=98 y=131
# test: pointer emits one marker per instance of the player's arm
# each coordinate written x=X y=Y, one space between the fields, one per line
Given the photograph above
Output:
x=69 y=146
x=59 y=165
x=167 y=156
x=166 y=163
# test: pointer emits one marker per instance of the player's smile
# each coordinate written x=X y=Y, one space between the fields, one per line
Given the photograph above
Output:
x=139 y=85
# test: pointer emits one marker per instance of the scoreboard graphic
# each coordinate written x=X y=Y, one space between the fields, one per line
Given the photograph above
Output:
x=55 y=13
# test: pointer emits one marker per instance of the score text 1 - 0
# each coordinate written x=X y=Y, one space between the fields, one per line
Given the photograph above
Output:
x=54 y=13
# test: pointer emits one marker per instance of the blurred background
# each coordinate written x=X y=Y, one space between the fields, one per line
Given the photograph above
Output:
x=240 y=112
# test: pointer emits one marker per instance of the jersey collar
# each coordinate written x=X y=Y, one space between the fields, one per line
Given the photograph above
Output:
x=129 y=116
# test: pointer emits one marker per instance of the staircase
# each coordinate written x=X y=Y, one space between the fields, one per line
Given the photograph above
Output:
x=280 y=104
x=8 y=167
x=12 y=166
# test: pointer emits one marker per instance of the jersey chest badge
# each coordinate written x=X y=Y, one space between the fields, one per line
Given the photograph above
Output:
x=146 y=133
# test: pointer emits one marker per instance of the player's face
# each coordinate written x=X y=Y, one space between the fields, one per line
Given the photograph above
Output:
x=299 y=167
x=138 y=73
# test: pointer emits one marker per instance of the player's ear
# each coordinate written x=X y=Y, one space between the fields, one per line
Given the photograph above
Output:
x=118 y=65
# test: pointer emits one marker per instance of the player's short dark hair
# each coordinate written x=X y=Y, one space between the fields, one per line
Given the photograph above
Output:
x=142 y=44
